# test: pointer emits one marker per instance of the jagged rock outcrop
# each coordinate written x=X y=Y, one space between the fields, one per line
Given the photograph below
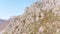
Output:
x=42 y=17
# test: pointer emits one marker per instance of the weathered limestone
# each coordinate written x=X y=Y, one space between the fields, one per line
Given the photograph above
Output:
x=42 y=17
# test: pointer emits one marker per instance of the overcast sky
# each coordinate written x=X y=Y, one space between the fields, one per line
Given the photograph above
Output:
x=10 y=8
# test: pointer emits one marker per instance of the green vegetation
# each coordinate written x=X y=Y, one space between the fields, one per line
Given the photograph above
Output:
x=31 y=33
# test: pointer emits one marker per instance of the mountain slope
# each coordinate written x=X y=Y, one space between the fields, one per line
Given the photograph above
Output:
x=42 y=17
x=3 y=23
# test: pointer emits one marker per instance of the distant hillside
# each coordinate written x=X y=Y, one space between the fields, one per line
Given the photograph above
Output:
x=3 y=23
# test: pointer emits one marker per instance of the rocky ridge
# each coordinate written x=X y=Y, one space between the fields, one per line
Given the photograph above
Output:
x=42 y=17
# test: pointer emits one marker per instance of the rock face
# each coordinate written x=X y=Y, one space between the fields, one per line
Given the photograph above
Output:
x=42 y=17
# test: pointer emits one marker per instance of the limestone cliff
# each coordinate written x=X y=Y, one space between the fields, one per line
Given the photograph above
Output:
x=42 y=17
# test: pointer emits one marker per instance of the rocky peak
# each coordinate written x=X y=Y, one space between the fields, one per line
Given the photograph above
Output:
x=42 y=17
